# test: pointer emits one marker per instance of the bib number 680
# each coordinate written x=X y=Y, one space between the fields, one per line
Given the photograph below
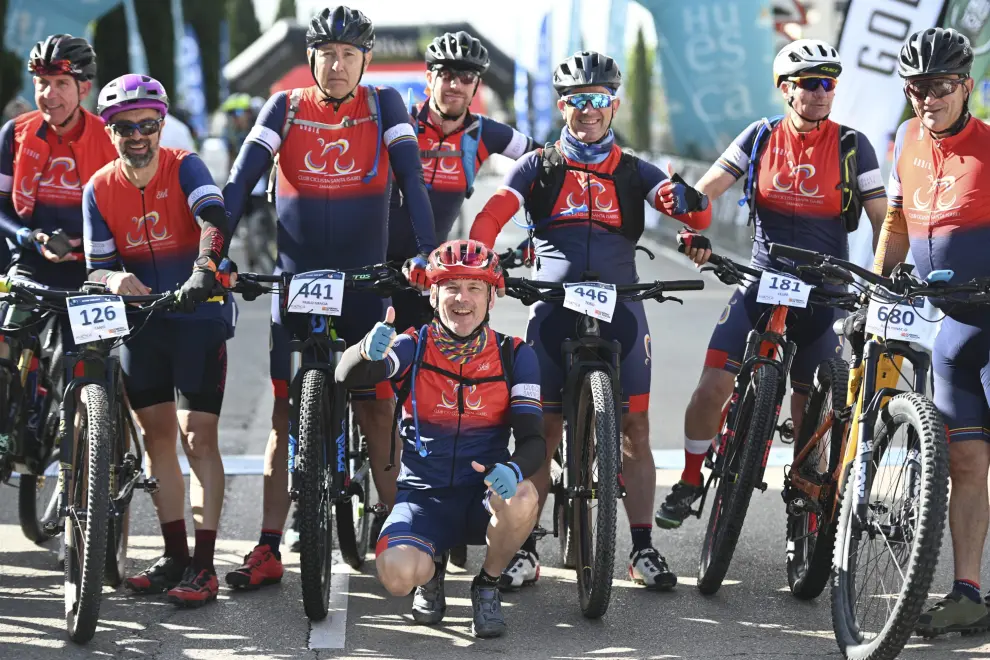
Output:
x=896 y=316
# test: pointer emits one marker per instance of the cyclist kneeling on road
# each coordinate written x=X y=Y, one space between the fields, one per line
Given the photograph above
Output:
x=585 y=200
x=463 y=388
x=149 y=218
x=795 y=197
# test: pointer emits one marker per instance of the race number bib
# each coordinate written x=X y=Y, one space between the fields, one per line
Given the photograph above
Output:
x=594 y=299
x=777 y=289
x=97 y=317
x=317 y=292
x=903 y=321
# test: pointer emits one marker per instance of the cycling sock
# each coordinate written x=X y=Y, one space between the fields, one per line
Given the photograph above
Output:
x=694 y=458
x=174 y=534
x=642 y=536
x=206 y=540
x=272 y=539
x=483 y=579
x=529 y=545
x=969 y=589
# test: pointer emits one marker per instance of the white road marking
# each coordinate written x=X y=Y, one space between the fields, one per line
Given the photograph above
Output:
x=331 y=632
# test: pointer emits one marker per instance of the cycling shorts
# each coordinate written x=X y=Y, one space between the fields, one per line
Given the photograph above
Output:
x=174 y=359
x=437 y=519
x=550 y=325
x=809 y=328
x=961 y=364
x=360 y=313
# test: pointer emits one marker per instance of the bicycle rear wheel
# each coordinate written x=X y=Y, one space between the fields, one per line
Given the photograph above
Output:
x=752 y=431
x=37 y=500
x=88 y=518
x=873 y=617
x=122 y=475
x=594 y=469
x=314 y=506
x=811 y=527
x=354 y=514
x=562 y=510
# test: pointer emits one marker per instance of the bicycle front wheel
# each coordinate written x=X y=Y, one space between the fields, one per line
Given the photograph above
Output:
x=752 y=431
x=88 y=518
x=314 y=506
x=354 y=513
x=907 y=478
x=594 y=466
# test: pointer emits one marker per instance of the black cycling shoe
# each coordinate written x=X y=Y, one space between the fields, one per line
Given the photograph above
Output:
x=677 y=506
x=458 y=556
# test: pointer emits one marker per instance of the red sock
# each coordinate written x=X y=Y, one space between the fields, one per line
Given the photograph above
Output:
x=692 y=468
x=206 y=540
x=174 y=534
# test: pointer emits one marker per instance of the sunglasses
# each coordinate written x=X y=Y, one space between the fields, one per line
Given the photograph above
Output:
x=126 y=128
x=597 y=100
x=463 y=77
x=938 y=88
x=55 y=68
x=812 y=84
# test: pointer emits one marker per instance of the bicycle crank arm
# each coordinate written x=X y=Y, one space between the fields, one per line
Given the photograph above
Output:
x=147 y=484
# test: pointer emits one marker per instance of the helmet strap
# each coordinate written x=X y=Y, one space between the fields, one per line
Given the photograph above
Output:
x=72 y=115
x=332 y=100
x=436 y=108
x=817 y=122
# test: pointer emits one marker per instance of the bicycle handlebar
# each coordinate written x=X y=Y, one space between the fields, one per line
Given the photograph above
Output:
x=530 y=291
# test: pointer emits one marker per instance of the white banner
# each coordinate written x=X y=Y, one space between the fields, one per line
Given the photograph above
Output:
x=870 y=97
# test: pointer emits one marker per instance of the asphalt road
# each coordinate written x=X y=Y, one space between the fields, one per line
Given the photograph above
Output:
x=752 y=616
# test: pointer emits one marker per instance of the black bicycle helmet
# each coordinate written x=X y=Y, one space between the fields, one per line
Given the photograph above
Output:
x=935 y=51
x=341 y=25
x=457 y=51
x=63 y=53
x=586 y=69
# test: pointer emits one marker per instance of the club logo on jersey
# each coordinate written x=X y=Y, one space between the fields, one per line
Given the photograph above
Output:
x=797 y=181
x=27 y=185
x=62 y=173
x=472 y=400
x=145 y=228
x=319 y=164
x=601 y=197
x=449 y=165
x=938 y=189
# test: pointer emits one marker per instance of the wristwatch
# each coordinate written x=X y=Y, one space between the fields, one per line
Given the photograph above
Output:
x=205 y=263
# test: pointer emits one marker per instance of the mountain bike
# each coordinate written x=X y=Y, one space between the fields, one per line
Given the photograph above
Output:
x=879 y=487
x=590 y=482
x=30 y=395
x=738 y=459
x=329 y=463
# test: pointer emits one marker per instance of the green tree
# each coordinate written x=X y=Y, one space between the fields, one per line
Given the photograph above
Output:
x=640 y=83
x=110 y=43
x=155 y=24
x=11 y=67
x=286 y=9
x=244 y=27
x=205 y=18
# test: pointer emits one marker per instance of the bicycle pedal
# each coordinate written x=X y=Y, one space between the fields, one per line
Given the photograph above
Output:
x=786 y=431
x=762 y=486
x=148 y=485
x=51 y=528
x=539 y=532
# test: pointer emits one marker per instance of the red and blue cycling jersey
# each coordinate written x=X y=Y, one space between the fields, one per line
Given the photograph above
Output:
x=459 y=422
x=332 y=204
x=446 y=180
x=798 y=200
x=151 y=232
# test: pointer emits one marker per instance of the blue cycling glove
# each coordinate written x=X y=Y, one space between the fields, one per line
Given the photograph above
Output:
x=503 y=478
x=376 y=343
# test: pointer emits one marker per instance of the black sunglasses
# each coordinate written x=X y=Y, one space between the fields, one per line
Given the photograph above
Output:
x=937 y=87
x=811 y=84
x=127 y=128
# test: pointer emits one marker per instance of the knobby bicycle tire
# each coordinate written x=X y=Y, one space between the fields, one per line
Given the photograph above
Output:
x=82 y=604
x=562 y=510
x=920 y=414
x=809 y=552
x=753 y=429
x=354 y=514
x=315 y=512
x=597 y=443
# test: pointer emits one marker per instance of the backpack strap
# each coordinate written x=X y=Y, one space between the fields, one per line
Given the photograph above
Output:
x=469 y=153
x=375 y=113
x=507 y=353
x=852 y=202
x=295 y=96
x=760 y=141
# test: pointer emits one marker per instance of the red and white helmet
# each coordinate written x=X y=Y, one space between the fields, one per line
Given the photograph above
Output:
x=464 y=260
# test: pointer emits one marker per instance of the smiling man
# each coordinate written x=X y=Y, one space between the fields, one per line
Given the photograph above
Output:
x=462 y=389
x=584 y=197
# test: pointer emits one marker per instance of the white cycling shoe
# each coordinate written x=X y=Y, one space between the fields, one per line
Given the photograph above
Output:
x=523 y=570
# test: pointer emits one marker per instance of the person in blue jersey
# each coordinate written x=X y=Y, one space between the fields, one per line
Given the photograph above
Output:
x=453 y=145
x=585 y=198
x=336 y=146
x=463 y=388
x=154 y=221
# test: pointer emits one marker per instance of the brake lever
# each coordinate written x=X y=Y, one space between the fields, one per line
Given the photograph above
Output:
x=647 y=251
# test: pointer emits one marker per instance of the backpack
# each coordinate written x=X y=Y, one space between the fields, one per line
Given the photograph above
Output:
x=629 y=192
x=468 y=153
x=507 y=352
x=852 y=203
x=290 y=118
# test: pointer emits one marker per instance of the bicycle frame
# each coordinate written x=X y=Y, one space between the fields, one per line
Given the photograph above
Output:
x=14 y=427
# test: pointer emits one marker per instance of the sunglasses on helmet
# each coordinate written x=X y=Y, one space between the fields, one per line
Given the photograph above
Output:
x=597 y=100
x=810 y=84
x=54 y=68
x=126 y=128
x=937 y=87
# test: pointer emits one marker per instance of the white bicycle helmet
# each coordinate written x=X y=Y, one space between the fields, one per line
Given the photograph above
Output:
x=807 y=57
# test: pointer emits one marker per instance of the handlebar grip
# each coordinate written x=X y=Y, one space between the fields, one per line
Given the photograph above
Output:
x=683 y=285
x=779 y=250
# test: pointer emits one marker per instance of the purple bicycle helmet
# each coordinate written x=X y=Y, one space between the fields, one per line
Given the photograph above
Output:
x=131 y=91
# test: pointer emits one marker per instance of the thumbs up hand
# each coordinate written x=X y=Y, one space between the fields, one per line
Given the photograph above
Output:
x=376 y=343
x=677 y=197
